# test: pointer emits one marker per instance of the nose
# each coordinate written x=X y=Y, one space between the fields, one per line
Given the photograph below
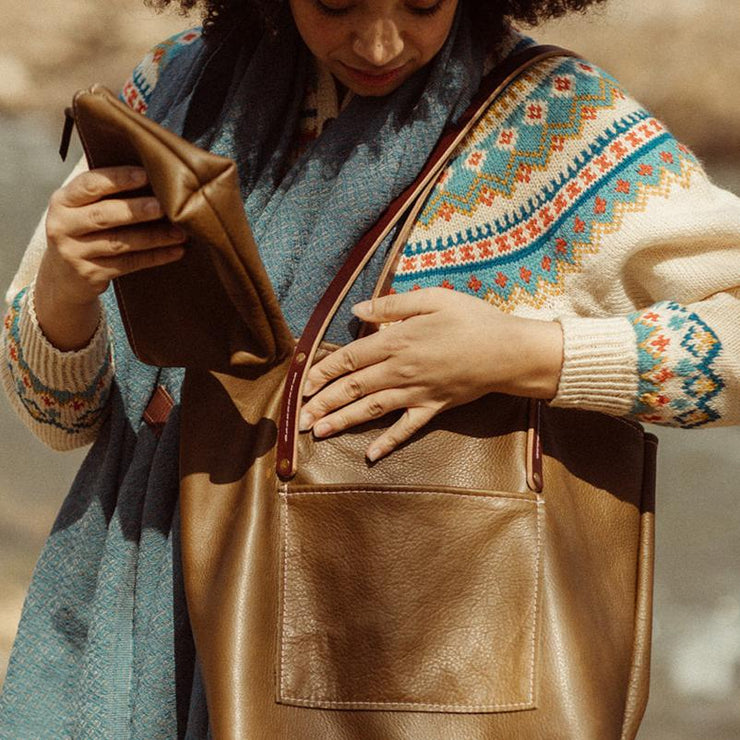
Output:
x=379 y=42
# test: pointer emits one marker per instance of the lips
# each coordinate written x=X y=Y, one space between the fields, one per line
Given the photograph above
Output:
x=374 y=79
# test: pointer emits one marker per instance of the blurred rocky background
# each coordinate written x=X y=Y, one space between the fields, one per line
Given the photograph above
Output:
x=680 y=57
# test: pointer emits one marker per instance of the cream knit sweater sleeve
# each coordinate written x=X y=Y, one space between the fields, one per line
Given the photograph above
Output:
x=571 y=202
x=60 y=396
x=657 y=337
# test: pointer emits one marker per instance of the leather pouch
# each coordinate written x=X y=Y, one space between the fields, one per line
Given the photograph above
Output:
x=200 y=193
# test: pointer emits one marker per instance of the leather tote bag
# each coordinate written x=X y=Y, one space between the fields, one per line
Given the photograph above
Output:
x=490 y=580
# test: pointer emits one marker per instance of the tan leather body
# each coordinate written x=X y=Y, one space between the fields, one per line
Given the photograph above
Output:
x=431 y=596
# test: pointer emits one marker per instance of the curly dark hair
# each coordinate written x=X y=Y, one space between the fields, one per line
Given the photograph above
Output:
x=491 y=15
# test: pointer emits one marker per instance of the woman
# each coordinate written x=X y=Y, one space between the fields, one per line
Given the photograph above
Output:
x=607 y=263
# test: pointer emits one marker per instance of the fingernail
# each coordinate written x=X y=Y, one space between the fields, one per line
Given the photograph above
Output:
x=151 y=207
x=374 y=454
x=308 y=388
x=322 y=429
x=176 y=232
x=305 y=421
x=362 y=307
x=137 y=176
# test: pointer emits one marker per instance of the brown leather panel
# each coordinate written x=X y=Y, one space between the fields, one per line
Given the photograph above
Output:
x=639 y=681
x=605 y=452
x=477 y=446
x=593 y=529
x=375 y=599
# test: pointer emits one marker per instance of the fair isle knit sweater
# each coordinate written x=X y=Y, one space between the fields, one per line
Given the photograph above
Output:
x=569 y=202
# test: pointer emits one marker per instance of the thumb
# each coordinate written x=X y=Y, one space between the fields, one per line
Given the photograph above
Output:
x=396 y=307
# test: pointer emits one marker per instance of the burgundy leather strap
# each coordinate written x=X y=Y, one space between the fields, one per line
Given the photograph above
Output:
x=535 y=478
x=491 y=87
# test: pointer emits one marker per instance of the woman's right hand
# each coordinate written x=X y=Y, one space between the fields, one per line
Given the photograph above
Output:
x=96 y=231
x=92 y=237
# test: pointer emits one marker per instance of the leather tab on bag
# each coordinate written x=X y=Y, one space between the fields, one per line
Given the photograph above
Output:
x=158 y=410
x=535 y=478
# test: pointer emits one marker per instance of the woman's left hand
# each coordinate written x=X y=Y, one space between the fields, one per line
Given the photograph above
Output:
x=445 y=349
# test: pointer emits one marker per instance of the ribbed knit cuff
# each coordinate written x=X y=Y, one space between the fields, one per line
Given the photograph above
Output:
x=599 y=365
x=60 y=396
x=72 y=371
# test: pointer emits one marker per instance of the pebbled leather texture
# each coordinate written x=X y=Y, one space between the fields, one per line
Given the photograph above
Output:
x=433 y=595
x=395 y=561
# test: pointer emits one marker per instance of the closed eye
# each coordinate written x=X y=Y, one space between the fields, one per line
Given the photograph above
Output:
x=426 y=10
x=330 y=11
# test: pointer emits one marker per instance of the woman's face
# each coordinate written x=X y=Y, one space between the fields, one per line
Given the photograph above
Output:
x=373 y=46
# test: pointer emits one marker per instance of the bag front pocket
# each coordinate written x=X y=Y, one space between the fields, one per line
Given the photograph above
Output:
x=408 y=599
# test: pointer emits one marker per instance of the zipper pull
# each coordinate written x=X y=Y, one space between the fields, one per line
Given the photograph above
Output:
x=69 y=125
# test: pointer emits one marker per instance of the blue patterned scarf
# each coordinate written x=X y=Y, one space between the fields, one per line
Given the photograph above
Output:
x=306 y=214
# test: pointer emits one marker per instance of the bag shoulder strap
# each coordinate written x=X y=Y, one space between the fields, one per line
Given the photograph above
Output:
x=414 y=196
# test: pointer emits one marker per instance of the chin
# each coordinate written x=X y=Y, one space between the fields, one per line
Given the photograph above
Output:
x=363 y=93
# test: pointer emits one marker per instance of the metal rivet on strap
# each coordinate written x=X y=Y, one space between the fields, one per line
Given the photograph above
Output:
x=537 y=479
x=300 y=358
x=285 y=466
